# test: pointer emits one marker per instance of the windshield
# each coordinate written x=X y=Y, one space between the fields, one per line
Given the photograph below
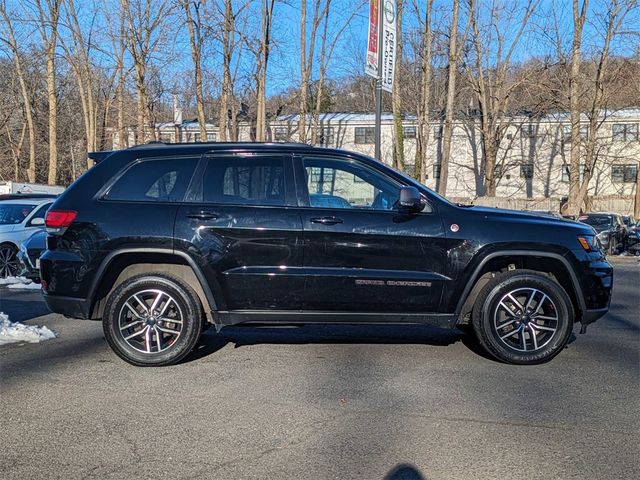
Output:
x=598 y=222
x=14 y=213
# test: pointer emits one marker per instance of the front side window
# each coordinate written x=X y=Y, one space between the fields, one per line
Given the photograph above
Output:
x=364 y=135
x=14 y=213
x=157 y=180
x=344 y=183
x=245 y=181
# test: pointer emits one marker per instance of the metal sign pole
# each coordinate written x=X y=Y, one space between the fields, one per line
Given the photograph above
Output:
x=378 y=129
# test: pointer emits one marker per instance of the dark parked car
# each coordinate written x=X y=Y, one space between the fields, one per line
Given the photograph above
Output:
x=157 y=240
x=29 y=255
x=610 y=228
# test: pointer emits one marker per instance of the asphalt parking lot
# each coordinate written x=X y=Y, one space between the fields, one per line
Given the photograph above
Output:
x=344 y=402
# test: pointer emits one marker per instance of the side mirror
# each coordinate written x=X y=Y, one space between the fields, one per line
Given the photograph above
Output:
x=410 y=200
x=37 y=222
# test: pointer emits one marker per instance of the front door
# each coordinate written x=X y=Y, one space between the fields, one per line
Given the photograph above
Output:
x=361 y=254
x=242 y=233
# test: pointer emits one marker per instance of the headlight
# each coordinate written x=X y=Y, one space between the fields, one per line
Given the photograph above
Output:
x=590 y=243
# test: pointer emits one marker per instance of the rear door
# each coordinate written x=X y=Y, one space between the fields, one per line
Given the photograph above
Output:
x=241 y=229
x=360 y=253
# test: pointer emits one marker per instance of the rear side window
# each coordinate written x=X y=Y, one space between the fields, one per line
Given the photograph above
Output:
x=245 y=181
x=158 y=180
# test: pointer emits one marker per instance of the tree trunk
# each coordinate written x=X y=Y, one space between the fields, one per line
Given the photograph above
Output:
x=226 y=70
x=398 y=144
x=452 y=68
x=196 y=54
x=304 y=77
x=53 y=112
x=424 y=99
x=263 y=62
x=579 y=14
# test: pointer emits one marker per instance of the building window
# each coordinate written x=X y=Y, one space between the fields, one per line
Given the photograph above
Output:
x=584 y=132
x=526 y=171
x=325 y=136
x=196 y=137
x=566 y=169
x=436 y=171
x=625 y=132
x=410 y=132
x=437 y=131
x=624 y=173
x=280 y=134
x=211 y=137
x=364 y=135
x=166 y=137
x=566 y=132
x=527 y=131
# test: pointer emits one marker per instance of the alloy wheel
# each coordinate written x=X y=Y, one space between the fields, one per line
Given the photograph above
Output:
x=150 y=321
x=526 y=319
x=9 y=264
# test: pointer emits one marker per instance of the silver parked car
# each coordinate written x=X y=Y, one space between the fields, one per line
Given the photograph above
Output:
x=19 y=219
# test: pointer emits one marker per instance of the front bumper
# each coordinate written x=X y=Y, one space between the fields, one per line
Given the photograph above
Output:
x=596 y=278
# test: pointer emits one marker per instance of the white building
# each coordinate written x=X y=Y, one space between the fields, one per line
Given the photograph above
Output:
x=533 y=158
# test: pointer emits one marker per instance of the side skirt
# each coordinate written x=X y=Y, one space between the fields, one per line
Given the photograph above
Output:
x=290 y=317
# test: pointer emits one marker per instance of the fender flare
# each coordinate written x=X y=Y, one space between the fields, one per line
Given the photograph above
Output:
x=527 y=253
x=165 y=251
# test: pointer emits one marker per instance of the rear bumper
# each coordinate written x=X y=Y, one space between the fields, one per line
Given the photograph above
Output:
x=68 y=306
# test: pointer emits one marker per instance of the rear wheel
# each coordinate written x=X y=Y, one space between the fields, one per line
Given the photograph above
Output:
x=152 y=320
x=523 y=317
x=9 y=263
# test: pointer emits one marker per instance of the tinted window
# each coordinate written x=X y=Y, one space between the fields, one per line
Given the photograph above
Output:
x=343 y=183
x=245 y=181
x=161 y=180
x=14 y=213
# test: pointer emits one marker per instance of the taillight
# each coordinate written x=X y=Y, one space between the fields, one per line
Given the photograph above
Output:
x=57 y=221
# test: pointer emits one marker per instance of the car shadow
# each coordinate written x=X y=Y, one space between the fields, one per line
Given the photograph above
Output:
x=241 y=336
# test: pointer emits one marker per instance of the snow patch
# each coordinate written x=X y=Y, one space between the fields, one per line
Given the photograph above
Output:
x=19 y=283
x=17 y=332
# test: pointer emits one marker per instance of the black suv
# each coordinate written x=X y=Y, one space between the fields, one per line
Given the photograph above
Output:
x=159 y=240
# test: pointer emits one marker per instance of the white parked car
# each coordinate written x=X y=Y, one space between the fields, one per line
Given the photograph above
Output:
x=19 y=219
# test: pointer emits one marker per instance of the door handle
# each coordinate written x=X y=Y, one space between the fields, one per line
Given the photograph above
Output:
x=202 y=215
x=326 y=220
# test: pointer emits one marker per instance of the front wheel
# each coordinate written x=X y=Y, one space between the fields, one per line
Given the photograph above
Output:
x=523 y=317
x=152 y=320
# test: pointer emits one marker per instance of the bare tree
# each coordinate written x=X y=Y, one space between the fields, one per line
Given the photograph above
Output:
x=614 y=17
x=24 y=91
x=491 y=81
x=227 y=53
x=424 y=97
x=48 y=22
x=194 y=24
x=452 y=70
x=306 y=59
x=144 y=20
x=579 y=18
x=79 y=58
x=396 y=105
x=267 y=7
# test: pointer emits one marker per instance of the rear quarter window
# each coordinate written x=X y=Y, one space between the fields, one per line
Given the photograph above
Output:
x=157 y=180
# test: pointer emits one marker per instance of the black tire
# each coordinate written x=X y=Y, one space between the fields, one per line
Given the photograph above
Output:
x=512 y=335
x=146 y=336
x=9 y=263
